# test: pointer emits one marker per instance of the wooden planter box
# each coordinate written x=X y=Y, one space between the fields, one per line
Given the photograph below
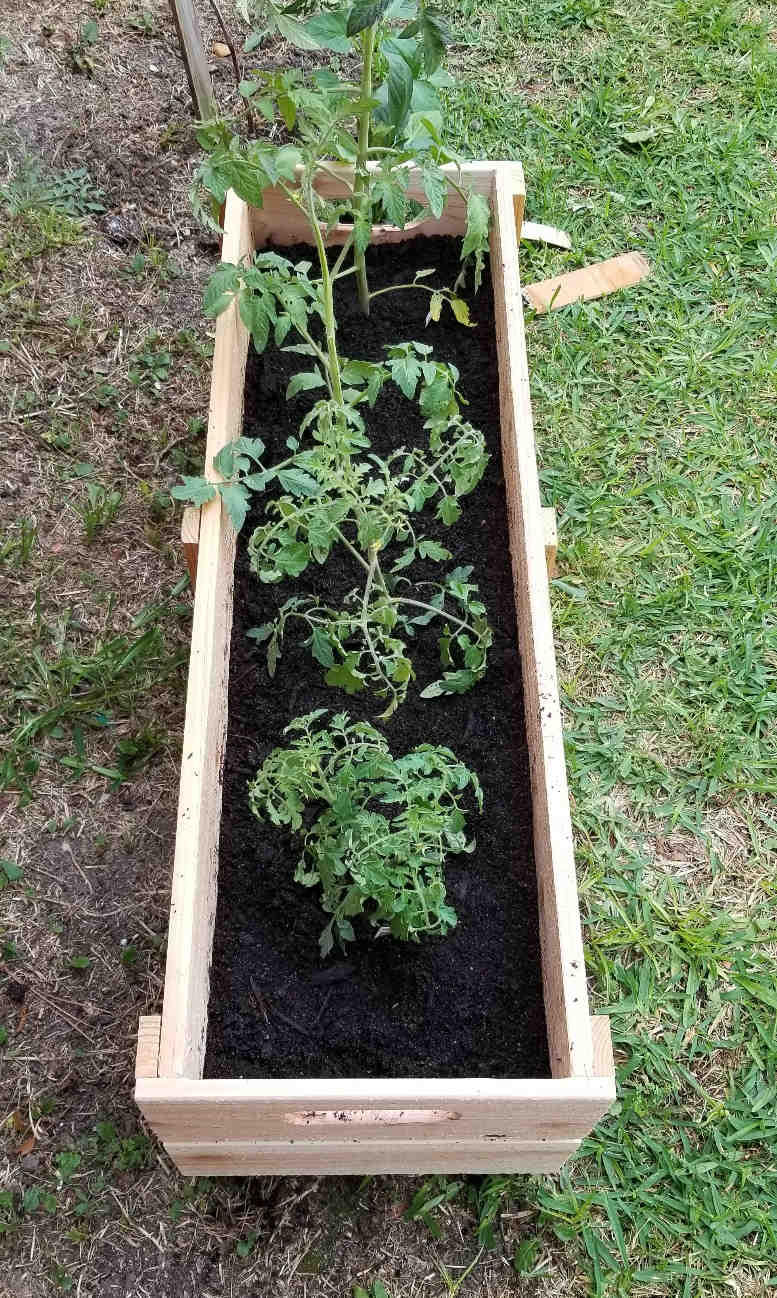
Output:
x=319 y=1126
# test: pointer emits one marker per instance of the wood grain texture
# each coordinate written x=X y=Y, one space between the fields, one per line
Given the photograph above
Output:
x=251 y=1109
x=193 y=904
x=147 y=1052
x=604 y=1059
x=283 y=1158
x=279 y=220
x=589 y=282
x=566 y=996
x=190 y=541
x=535 y=232
x=550 y=537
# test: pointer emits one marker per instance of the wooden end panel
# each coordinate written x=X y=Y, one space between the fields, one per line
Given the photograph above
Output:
x=280 y=221
x=282 y=1158
x=323 y=1111
x=566 y=997
x=193 y=904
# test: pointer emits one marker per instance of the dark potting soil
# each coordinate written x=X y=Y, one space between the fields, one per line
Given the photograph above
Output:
x=466 y=1005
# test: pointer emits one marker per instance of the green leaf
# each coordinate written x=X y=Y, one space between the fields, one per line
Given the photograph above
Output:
x=298 y=482
x=476 y=237
x=448 y=510
x=389 y=189
x=296 y=33
x=197 y=490
x=399 y=89
x=346 y=676
x=461 y=311
x=329 y=30
x=436 y=189
x=525 y=1258
x=261 y=633
x=12 y=872
x=304 y=382
x=435 y=34
x=364 y=14
x=435 y=307
x=235 y=497
x=79 y=962
x=322 y=648
x=431 y=550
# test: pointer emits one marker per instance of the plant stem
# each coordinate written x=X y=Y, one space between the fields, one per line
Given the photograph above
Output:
x=330 y=324
x=361 y=179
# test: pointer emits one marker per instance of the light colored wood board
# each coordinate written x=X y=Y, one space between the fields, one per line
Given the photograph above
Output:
x=589 y=282
x=147 y=1052
x=550 y=536
x=194 y=58
x=190 y=540
x=566 y=996
x=249 y=1109
x=279 y=221
x=192 y=908
x=604 y=1060
x=536 y=232
x=309 y=1158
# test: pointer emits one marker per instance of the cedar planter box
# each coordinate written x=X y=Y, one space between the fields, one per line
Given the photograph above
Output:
x=368 y=1125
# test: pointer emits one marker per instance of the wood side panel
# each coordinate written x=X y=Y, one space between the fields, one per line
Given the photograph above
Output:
x=147 y=1052
x=561 y=1109
x=604 y=1059
x=283 y=1158
x=566 y=997
x=279 y=221
x=193 y=904
x=190 y=541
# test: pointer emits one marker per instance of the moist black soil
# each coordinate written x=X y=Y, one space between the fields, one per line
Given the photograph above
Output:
x=466 y=1005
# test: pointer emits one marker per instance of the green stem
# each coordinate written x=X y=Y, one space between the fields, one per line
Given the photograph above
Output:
x=361 y=178
x=430 y=608
x=330 y=324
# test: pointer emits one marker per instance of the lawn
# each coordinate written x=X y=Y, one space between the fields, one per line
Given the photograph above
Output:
x=651 y=129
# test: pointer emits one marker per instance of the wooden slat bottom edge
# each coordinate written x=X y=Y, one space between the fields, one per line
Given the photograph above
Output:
x=316 y=1158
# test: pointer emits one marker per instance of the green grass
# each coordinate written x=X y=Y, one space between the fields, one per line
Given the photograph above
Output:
x=656 y=430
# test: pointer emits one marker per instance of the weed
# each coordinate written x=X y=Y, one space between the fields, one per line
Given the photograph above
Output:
x=99 y=508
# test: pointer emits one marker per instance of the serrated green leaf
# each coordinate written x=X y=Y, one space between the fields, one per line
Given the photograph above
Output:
x=12 y=872
x=235 y=498
x=298 y=482
x=304 y=382
x=196 y=490
x=346 y=676
x=322 y=648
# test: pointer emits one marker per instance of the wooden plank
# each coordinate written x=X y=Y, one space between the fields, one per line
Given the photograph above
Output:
x=193 y=904
x=147 y=1052
x=550 y=537
x=535 y=232
x=249 y=1109
x=190 y=541
x=194 y=57
x=589 y=282
x=280 y=222
x=604 y=1059
x=286 y=1158
x=566 y=996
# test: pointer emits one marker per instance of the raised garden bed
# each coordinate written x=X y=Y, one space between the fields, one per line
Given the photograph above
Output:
x=516 y=1093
